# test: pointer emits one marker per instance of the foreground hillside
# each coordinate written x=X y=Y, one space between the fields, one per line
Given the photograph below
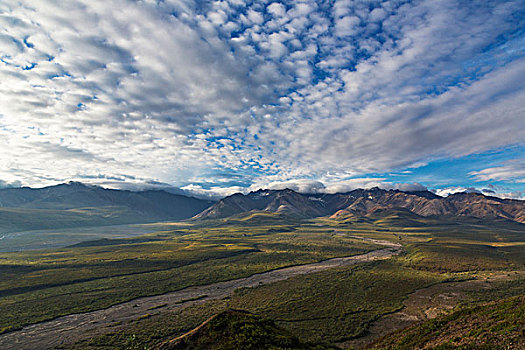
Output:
x=365 y=202
x=496 y=325
x=234 y=329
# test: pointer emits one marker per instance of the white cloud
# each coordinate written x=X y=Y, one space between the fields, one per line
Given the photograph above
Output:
x=9 y=184
x=255 y=17
x=214 y=192
x=378 y=14
x=444 y=192
x=515 y=171
x=352 y=184
x=300 y=185
x=511 y=195
x=447 y=191
x=347 y=26
x=276 y=9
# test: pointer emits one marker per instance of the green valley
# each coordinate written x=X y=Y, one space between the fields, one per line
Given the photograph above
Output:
x=335 y=306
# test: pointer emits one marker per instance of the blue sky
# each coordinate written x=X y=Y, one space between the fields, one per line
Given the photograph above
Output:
x=216 y=97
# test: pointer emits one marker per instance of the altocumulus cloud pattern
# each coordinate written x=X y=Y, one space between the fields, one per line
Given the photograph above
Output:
x=228 y=95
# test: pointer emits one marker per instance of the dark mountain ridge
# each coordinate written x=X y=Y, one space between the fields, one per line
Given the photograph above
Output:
x=366 y=201
x=78 y=195
x=77 y=204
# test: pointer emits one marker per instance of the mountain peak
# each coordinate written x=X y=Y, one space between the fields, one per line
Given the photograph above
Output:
x=365 y=202
x=72 y=185
x=76 y=183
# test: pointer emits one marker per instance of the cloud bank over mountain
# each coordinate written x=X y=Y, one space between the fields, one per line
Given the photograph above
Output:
x=223 y=95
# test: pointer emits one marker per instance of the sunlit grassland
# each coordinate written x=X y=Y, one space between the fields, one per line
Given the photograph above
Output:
x=330 y=306
x=40 y=285
x=448 y=244
x=495 y=325
x=340 y=304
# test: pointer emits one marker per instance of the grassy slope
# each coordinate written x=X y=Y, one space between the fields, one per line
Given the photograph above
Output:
x=232 y=329
x=496 y=325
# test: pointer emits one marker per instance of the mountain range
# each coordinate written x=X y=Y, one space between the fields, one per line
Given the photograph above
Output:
x=72 y=195
x=78 y=205
x=75 y=204
x=362 y=202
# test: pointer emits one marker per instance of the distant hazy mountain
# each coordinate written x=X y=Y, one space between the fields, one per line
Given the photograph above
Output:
x=364 y=202
x=75 y=204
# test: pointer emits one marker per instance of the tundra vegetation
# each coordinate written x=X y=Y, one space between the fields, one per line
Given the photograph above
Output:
x=328 y=307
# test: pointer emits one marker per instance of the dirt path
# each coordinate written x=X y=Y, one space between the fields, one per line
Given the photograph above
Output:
x=71 y=328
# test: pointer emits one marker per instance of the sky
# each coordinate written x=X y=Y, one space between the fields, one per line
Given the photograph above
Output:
x=217 y=97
